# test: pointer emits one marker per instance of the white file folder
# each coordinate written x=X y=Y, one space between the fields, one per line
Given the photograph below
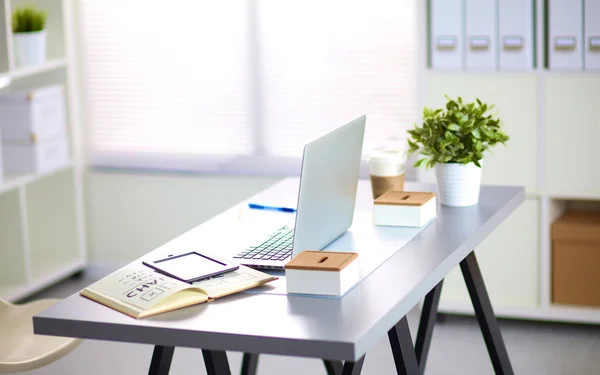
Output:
x=591 y=42
x=565 y=18
x=480 y=34
x=516 y=22
x=446 y=36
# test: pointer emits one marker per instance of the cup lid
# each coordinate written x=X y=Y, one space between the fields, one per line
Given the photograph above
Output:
x=387 y=155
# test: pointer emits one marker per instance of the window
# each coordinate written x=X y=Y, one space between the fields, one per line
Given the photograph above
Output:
x=242 y=86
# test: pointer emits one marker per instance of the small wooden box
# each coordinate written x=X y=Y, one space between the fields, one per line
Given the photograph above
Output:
x=405 y=209
x=322 y=273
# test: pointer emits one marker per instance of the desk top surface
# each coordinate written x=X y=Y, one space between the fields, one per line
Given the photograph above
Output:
x=332 y=328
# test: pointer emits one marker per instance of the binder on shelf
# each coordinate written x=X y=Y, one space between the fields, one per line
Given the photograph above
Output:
x=592 y=34
x=516 y=22
x=565 y=25
x=481 y=30
x=446 y=36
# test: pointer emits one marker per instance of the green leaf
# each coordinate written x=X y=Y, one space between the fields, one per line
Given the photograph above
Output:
x=419 y=162
x=478 y=145
x=453 y=127
x=475 y=133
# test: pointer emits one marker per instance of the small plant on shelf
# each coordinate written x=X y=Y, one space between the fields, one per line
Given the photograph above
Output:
x=29 y=32
x=28 y=19
x=453 y=140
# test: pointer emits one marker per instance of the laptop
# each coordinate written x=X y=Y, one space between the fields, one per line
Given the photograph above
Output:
x=326 y=199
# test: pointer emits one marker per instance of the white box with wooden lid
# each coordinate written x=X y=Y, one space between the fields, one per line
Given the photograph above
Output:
x=322 y=273
x=404 y=209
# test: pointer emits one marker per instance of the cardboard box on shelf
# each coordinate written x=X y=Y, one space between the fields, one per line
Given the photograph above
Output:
x=576 y=259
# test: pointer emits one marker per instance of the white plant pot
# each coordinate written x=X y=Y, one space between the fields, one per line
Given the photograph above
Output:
x=30 y=48
x=458 y=184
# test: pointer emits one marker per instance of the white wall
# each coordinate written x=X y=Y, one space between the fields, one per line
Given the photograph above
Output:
x=130 y=214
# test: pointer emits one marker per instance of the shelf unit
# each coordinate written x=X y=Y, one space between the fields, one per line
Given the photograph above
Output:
x=42 y=238
x=545 y=112
x=33 y=70
x=20 y=181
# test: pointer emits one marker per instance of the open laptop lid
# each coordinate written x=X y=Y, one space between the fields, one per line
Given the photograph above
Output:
x=328 y=183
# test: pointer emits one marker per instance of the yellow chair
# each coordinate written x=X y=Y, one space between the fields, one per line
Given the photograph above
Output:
x=20 y=349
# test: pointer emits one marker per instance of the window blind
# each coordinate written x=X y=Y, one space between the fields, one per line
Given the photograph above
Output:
x=192 y=85
x=326 y=62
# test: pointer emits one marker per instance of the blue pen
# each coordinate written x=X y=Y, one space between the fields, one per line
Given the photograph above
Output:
x=272 y=208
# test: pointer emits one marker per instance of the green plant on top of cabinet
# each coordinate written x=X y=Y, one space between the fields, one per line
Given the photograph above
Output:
x=453 y=140
x=29 y=33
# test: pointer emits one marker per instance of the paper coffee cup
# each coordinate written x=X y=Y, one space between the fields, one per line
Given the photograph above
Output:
x=383 y=162
x=386 y=167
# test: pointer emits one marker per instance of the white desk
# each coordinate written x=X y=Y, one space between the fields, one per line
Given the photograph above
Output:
x=332 y=329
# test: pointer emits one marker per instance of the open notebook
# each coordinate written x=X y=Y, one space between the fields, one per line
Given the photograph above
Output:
x=139 y=291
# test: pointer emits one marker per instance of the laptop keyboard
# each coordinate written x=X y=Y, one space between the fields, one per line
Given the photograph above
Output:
x=277 y=247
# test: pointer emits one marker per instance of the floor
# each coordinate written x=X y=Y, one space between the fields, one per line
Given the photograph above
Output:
x=457 y=348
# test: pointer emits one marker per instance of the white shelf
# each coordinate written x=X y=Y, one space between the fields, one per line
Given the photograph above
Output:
x=567 y=197
x=46 y=67
x=13 y=182
x=552 y=313
x=42 y=214
x=536 y=133
x=536 y=71
x=16 y=292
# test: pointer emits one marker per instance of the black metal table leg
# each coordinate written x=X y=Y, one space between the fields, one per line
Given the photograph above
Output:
x=333 y=367
x=353 y=368
x=402 y=349
x=428 y=317
x=161 y=360
x=485 y=315
x=216 y=362
x=249 y=364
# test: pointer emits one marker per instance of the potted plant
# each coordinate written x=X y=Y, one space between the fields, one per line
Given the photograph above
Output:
x=453 y=140
x=29 y=36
